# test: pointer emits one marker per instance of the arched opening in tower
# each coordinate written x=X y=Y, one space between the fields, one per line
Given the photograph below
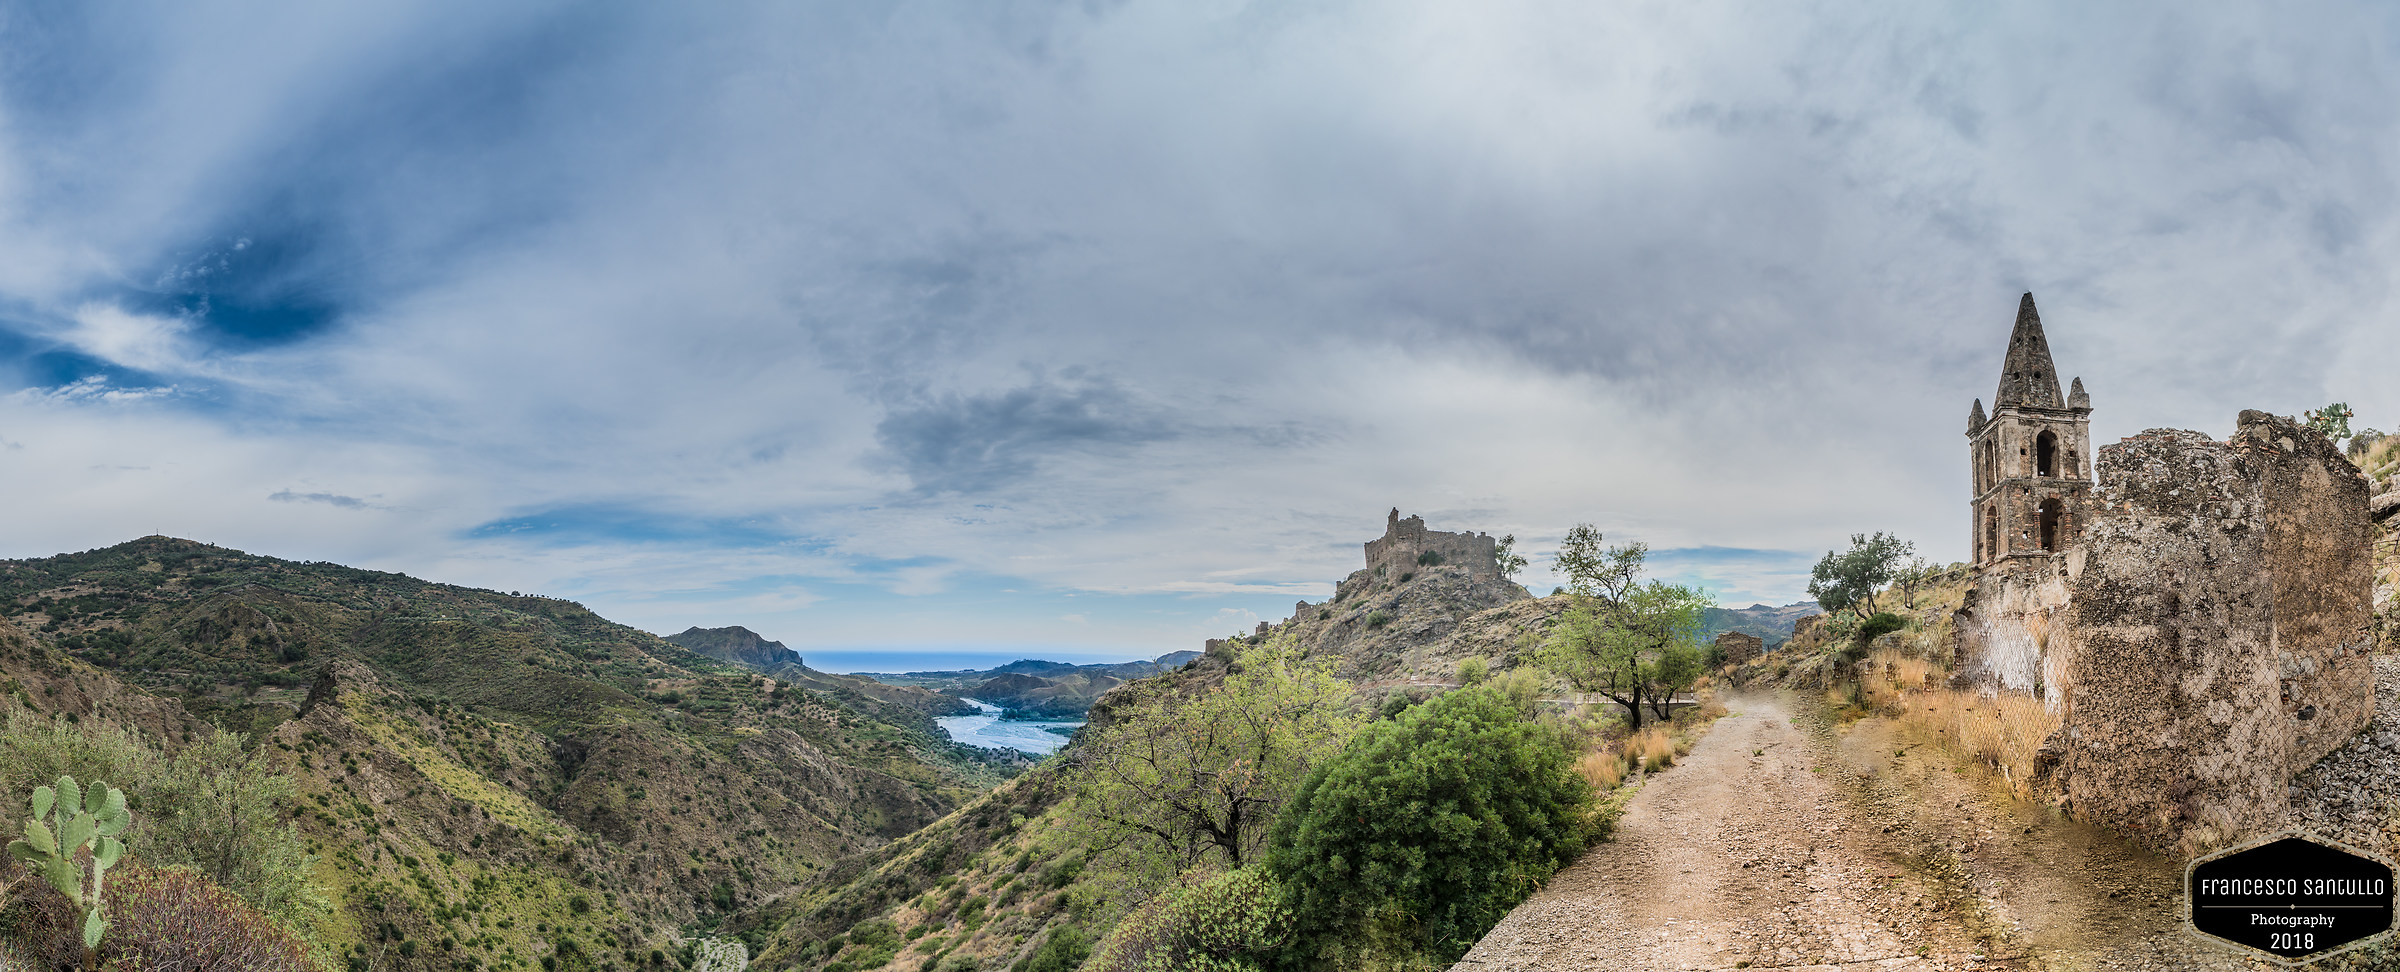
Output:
x=2045 y=454
x=1991 y=534
x=2053 y=519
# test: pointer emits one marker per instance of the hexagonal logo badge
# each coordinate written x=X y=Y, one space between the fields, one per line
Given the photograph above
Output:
x=2290 y=896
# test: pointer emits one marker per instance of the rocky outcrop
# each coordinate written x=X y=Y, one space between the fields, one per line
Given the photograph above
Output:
x=1419 y=622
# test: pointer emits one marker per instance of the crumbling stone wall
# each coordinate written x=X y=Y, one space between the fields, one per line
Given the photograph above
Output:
x=2216 y=634
x=1737 y=647
x=2012 y=617
x=1405 y=541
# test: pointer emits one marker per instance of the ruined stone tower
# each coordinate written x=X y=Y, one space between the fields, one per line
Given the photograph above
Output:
x=2030 y=460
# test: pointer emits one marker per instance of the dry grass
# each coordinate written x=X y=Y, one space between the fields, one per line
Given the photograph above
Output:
x=2001 y=731
x=1910 y=674
x=1658 y=748
x=1605 y=769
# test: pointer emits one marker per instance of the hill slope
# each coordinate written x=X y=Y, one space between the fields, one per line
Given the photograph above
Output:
x=486 y=775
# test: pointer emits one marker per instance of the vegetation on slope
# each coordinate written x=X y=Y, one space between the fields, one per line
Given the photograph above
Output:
x=486 y=780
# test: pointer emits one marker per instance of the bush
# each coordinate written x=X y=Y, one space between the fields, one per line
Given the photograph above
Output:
x=1220 y=922
x=1377 y=619
x=872 y=945
x=1429 y=559
x=1063 y=951
x=211 y=805
x=175 y=918
x=1882 y=623
x=1428 y=829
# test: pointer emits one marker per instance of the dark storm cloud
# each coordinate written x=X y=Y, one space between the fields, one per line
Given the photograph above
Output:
x=977 y=443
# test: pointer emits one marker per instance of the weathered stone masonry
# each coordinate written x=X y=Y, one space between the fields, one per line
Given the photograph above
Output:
x=1405 y=541
x=2219 y=634
x=2198 y=613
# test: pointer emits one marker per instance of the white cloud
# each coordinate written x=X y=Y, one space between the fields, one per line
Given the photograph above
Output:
x=1156 y=300
x=145 y=341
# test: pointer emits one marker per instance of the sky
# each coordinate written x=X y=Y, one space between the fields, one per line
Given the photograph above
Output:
x=911 y=333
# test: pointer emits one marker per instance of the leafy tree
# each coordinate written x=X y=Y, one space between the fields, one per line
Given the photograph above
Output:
x=1176 y=783
x=1641 y=646
x=1912 y=574
x=2333 y=420
x=1851 y=578
x=1505 y=554
x=1428 y=829
x=1592 y=571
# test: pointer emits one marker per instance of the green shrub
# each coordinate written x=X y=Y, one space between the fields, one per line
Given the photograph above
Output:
x=1377 y=619
x=1428 y=829
x=1063 y=951
x=1429 y=559
x=1882 y=623
x=872 y=945
x=1223 y=922
x=212 y=805
x=1473 y=671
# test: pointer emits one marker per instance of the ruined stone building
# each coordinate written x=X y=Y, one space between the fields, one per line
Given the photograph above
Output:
x=2195 y=612
x=2029 y=459
x=1406 y=545
x=1735 y=648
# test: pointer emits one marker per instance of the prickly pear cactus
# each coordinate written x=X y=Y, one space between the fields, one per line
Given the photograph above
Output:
x=68 y=819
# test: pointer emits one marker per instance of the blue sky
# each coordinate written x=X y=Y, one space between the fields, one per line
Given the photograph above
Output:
x=1098 y=329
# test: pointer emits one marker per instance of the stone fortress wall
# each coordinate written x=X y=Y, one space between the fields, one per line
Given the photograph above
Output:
x=1405 y=541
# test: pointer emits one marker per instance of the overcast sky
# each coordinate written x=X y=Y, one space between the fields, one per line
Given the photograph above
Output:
x=1094 y=329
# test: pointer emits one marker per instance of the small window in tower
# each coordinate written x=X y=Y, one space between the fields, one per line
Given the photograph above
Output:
x=2045 y=454
x=2052 y=515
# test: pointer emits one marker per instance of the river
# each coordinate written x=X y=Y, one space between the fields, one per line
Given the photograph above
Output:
x=986 y=728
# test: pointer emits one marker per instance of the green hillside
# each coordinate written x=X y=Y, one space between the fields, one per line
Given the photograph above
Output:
x=489 y=780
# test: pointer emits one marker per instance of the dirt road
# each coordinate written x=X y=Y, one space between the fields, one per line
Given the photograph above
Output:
x=1783 y=843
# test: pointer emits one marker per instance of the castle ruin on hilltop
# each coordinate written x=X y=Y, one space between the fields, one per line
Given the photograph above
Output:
x=1407 y=545
x=2196 y=613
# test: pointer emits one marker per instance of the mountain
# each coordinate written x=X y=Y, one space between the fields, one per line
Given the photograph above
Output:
x=1419 y=625
x=490 y=780
x=738 y=645
x=1772 y=625
x=1031 y=689
x=990 y=885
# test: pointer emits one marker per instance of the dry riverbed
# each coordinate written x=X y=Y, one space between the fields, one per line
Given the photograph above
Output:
x=1782 y=842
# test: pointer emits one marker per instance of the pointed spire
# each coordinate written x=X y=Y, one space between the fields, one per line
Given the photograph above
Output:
x=2028 y=377
x=1975 y=417
x=2077 y=399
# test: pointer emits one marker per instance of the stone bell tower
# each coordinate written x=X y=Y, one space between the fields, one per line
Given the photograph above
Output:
x=2031 y=459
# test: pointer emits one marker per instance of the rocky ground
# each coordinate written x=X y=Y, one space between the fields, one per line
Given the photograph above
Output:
x=1786 y=842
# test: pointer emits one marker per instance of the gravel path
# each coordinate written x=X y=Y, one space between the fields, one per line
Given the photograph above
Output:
x=1787 y=844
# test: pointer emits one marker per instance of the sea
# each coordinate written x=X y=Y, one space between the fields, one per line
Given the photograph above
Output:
x=986 y=728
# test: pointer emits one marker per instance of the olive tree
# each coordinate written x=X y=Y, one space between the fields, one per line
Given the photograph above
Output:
x=1176 y=781
x=1849 y=579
